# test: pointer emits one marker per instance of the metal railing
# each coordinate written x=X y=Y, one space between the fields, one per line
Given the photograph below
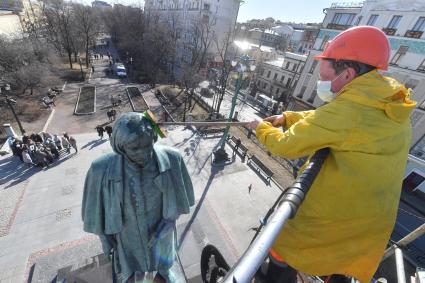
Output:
x=244 y=270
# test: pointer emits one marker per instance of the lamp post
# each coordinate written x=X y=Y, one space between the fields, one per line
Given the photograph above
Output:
x=81 y=67
x=10 y=102
x=242 y=65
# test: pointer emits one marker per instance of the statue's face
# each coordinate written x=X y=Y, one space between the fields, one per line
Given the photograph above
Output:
x=137 y=144
x=140 y=150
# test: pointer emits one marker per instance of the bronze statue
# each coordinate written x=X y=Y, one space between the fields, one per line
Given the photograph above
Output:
x=132 y=198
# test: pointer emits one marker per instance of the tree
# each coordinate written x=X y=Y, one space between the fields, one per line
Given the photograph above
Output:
x=88 y=24
x=223 y=51
x=21 y=65
x=60 y=27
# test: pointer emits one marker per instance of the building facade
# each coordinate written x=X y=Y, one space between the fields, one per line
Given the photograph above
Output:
x=213 y=20
x=277 y=79
x=404 y=24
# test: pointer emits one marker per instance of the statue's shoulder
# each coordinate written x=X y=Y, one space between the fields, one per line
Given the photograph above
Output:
x=171 y=152
x=101 y=163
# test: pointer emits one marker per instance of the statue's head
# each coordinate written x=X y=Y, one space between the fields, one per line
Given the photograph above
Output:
x=133 y=136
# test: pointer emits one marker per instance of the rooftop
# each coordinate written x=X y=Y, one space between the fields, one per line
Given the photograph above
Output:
x=245 y=45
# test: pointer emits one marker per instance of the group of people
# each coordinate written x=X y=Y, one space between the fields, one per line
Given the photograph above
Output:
x=43 y=148
x=100 y=130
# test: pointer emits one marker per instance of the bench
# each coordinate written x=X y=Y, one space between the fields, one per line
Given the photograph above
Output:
x=254 y=161
x=237 y=146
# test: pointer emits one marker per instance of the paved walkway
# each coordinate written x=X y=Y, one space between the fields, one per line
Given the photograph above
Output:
x=45 y=215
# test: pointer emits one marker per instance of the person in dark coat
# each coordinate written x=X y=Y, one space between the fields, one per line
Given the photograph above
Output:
x=108 y=130
x=100 y=130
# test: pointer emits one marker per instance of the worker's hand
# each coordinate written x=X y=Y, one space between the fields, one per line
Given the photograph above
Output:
x=276 y=120
x=253 y=124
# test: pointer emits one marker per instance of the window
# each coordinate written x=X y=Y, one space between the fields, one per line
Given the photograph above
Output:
x=207 y=7
x=345 y=19
x=300 y=95
x=324 y=42
x=262 y=72
x=271 y=89
x=205 y=19
x=294 y=67
x=313 y=66
x=288 y=83
x=282 y=78
x=412 y=181
x=372 y=20
x=275 y=76
x=312 y=96
x=277 y=91
x=268 y=74
x=420 y=25
x=287 y=65
x=264 y=85
x=394 y=22
x=422 y=66
x=358 y=20
x=400 y=52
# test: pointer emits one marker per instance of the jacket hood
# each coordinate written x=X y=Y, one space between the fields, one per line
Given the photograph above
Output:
x=385 y=93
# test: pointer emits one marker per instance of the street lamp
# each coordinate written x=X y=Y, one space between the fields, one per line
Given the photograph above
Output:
x=10 y=102
x=81 y=67
x=242 y=65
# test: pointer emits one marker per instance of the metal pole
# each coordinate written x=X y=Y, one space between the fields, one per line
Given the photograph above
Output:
x=232 y=109
x=399 y=261
x=203 y=123
x=258 y=251
x=405 y=241
x=16 y=116
x=244 y=270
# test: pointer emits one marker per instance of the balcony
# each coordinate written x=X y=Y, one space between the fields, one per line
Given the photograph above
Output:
x=414 y=34
x=389 y=31
x=337 y=26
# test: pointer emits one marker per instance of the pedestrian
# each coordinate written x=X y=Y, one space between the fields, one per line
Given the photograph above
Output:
x=26 y=156
x=342 y=226
x=53 y=148
x=18 y=149
x=39 y=158
x=65 y=144
x=108 y=130
x=100 y=130
x=25 y=139
x=57 y=141
x=92 y=68
x=73 y=143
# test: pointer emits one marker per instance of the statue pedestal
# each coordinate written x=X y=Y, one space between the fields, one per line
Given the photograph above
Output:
x=82 y=263
x=9 y=131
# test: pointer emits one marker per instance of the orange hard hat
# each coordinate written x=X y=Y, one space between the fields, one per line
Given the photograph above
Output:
x=364 y=44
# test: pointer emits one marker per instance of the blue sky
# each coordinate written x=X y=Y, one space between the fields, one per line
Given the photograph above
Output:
x=286 y=10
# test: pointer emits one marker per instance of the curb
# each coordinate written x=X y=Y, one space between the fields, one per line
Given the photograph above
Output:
x=78 y=100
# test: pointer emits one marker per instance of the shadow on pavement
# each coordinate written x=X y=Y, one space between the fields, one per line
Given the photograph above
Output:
x=214 y=171
x=94 y=143
x=14 y=171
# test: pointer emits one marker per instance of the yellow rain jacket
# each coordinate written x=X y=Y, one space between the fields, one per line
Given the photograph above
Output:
x=346 y=220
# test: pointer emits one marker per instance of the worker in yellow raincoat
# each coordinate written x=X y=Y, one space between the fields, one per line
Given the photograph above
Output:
x=345 y=222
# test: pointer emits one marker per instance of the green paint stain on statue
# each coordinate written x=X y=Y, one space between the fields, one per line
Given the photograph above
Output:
x=132 y=198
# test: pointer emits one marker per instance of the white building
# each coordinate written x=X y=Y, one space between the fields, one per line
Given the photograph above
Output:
x=404 y=23
x=276 y=79
x=264 y=37
x=218 y=18
x=299 y=39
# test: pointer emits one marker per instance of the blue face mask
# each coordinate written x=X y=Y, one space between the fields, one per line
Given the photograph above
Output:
x=324 y=90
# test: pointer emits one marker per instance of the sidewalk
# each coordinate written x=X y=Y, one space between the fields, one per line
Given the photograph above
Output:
x=46 y=206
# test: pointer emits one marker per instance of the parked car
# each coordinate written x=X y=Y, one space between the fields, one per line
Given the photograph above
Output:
x=120 y=71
